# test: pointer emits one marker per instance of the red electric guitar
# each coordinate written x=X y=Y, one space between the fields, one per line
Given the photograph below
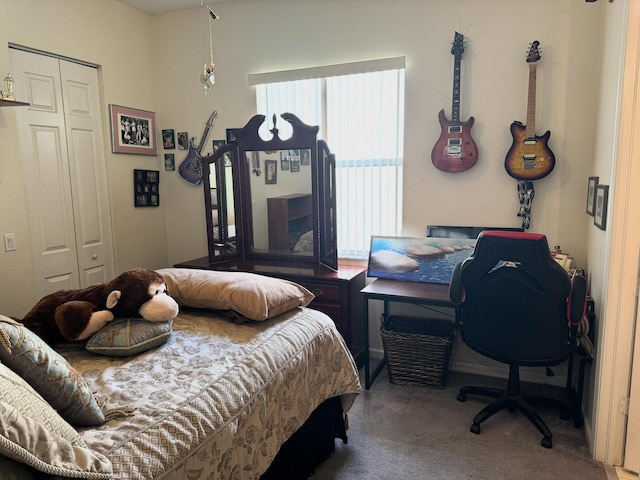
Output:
x=455 y=150
x=530 y=157
x=191 y=167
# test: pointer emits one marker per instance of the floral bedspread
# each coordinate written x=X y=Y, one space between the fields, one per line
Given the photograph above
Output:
x=218 y=399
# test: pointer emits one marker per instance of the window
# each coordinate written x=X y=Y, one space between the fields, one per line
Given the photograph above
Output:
x=360 y=111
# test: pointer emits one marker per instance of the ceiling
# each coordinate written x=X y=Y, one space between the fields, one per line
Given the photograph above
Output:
x=157 y=7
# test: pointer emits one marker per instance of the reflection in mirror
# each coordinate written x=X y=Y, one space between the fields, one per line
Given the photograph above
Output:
x=281 y=201
x=220 y=182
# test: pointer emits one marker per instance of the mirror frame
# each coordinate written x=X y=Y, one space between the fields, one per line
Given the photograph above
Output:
x=243 y=141
x=249 y=140
x=216 y=162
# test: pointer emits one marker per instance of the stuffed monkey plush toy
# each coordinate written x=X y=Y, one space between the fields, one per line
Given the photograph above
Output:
x=77 y=314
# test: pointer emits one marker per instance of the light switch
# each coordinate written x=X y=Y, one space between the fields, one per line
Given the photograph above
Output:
x=9 y=242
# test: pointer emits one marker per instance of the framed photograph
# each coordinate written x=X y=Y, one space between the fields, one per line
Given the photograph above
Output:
x=600 y=214
x=294 y=164
x=428 y=259
x=183 y=140
x=271 y=170
x=146 y=188
x=133 y=131
x=168 y=139
x=305 y=156
x=169 y=162
x=591 y=194
x=284 y=160
x=231 y=135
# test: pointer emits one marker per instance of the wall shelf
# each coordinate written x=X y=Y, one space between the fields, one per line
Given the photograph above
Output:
x=12 y=103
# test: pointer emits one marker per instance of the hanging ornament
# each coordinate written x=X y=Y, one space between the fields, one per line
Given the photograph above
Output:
x=207 y=77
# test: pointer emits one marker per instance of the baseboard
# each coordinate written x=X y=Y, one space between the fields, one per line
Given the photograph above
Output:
x=527 y=374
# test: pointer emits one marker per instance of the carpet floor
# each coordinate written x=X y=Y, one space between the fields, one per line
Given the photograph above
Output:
x=418 y=433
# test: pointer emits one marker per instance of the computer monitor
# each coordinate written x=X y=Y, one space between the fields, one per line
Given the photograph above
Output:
x=455 y=231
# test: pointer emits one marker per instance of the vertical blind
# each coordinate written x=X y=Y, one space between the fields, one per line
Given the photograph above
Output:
x=361 y=116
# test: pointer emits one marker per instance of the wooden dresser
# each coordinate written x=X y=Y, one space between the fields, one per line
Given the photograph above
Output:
x=337 y=293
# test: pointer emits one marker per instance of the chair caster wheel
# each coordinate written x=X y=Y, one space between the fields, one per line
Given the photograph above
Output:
x=461 y=397
x=475 y=428
x=546 y=442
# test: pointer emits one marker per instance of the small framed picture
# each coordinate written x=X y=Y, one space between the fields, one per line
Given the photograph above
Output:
x=591 y=194
x=294 y=164
x=168 y=139
x=305 y=156
x=271 y=172
x=146 y=188
x=183 y=140
x=169 y=162
x=600 y=214
x=133 y=131
x=284 y=160
x=231 y=135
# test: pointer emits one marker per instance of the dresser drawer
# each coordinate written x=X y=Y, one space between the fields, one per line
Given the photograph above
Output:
x=324 y=292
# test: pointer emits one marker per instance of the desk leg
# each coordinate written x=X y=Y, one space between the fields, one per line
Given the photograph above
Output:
x=369 y=378
x=367 y=384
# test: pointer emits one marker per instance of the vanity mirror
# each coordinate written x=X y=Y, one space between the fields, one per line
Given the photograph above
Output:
x=272 y=199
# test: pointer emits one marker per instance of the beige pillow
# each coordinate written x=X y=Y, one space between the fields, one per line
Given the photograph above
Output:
x=254 y=296
x=32 y=432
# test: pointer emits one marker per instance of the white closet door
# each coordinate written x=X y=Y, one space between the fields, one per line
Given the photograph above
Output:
x=62 y=148
x=86 y=152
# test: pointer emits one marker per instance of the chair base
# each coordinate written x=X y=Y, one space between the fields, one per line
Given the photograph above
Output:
x=513 y=400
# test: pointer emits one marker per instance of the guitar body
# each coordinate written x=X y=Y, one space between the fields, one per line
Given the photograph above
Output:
x=191 y=167
x=529 y=157
x=455 y=151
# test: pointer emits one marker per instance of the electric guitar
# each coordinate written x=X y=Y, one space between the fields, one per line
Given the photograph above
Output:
x=191 y=167
x=455 y=150
x=529 y=157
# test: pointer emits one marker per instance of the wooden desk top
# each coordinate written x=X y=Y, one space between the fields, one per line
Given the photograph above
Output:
x=417 y=292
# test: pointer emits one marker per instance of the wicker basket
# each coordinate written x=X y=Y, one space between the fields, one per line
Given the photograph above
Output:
x=418 y=350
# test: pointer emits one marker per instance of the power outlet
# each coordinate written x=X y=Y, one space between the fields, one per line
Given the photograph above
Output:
x=9 y=242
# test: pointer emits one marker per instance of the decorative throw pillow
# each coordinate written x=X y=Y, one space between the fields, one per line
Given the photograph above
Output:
x=48 y=373
x=32 y=433
x=129 y=336
x=254 y=296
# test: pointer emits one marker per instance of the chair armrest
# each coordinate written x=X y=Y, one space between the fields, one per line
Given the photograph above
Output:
x=456 y=290
x=577 y=302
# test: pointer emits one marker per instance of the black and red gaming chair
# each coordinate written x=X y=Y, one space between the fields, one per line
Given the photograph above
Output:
x=518 y=306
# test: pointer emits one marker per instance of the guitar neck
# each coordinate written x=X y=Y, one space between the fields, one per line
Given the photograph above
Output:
x=530 y=129
x=455 y=103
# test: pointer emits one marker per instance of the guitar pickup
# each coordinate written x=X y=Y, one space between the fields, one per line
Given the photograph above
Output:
x=455 y=129
x=454 y=146
x=529 y=162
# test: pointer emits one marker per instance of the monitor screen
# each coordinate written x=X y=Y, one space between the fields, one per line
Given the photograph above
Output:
x=454 y=231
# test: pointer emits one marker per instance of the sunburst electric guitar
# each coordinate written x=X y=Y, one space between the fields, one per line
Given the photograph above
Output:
x=529 y=157
x=191 y=167
x=455 y=151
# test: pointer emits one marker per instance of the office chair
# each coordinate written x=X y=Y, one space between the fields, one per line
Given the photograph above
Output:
x=516 y=305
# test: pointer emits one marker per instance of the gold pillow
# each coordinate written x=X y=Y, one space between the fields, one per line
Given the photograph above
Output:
x=253 y=296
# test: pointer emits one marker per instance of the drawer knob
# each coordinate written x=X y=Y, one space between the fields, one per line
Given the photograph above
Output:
x=317 y=292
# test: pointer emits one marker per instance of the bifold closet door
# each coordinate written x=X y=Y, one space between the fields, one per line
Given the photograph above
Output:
x=63 y=150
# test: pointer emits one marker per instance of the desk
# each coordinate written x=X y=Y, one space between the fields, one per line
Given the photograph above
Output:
x=432 y=294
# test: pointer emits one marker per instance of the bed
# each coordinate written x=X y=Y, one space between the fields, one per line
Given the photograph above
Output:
x=222 y=395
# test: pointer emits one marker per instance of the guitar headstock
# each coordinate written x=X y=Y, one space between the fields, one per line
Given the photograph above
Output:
x=458 y=44
x=213 y=116
x=533 y=55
